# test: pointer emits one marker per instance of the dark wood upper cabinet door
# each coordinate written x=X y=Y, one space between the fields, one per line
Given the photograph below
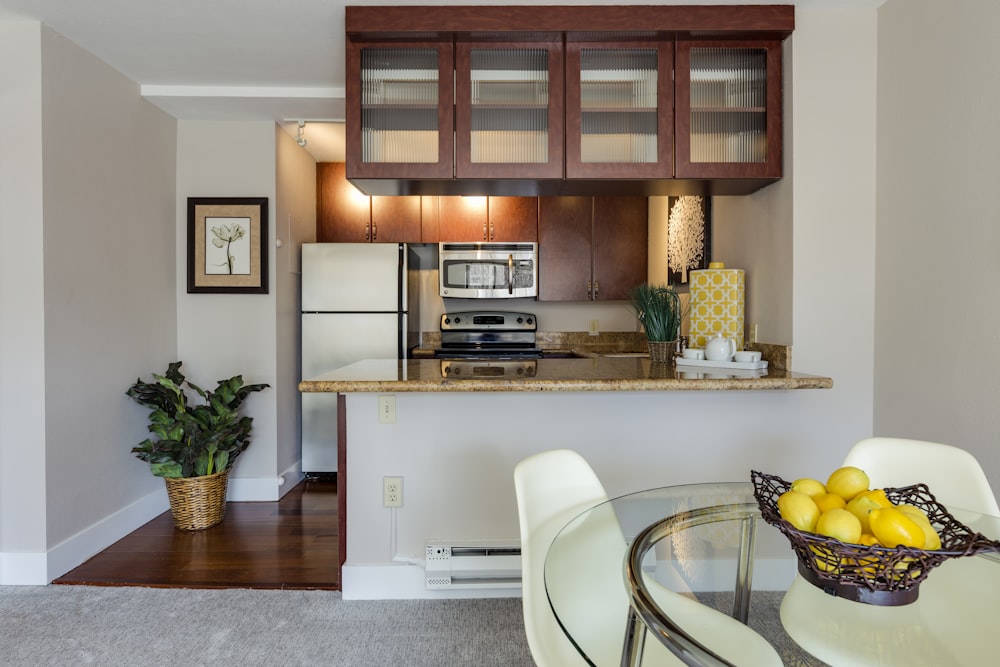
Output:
x=564 y=248
x=343 y=213
x=400 y=109
x=462 y=219
x=513 y=219
x=619 y=109
x=728 y=109
x=621 y=233
x=509 y=104
x=396 y=219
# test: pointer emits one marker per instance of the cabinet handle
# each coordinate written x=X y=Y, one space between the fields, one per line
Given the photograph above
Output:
x=589 y=294
x=374 y=231
x=368 y=230
x=492 y=235
x=485 y=238
x=510 y=274
x=597 y=288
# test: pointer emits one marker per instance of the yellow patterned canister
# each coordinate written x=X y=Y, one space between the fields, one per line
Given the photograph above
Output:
x=716 y=305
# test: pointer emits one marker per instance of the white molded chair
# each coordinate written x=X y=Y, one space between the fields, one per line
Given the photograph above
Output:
x=953 y=475
x=553 y=488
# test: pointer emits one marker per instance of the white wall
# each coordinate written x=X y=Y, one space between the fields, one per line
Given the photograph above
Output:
x=22 y=316
x=938 y=262
x=93 y=268
x=295 y=224
x=221 y=335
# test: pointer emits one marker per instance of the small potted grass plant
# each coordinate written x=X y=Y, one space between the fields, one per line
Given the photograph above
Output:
x=196 y=443
x=658 y=308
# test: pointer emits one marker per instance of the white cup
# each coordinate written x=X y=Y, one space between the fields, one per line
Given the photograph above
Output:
x=692 y=353
x=747 y=356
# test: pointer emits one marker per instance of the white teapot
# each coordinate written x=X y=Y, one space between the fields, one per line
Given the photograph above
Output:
x=720 y=348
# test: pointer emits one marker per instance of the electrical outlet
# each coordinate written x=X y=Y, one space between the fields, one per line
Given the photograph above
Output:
x=387 y=409
x=595 y=327
x=392 y=492
x=753 y=333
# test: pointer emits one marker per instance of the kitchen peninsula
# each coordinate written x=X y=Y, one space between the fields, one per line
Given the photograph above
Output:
x=455 y=442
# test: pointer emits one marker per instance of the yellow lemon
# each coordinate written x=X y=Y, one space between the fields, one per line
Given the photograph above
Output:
x=847 y=482
x=829 y=501
x=893 y=528
x=798 y=509
x=810 y=487
x=868 y=540
x=860 y=505
x=878 y=495
x=839 y=524
x=825 y=559
x=932 y=540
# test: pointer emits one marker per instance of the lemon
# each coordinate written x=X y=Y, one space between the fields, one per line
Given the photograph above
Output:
x=798 y=509
x=828 y=501
x=810 y=487
x=860 y=505
x=868 y=540
x=878 y=495
x=932 y=540
x=847 y=482
x=825 y=559
x=839 y=524
x=894 y=528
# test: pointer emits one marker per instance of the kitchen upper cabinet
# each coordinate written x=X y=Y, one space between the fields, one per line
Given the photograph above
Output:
x=346 y=215
x=509 y=109
x=549 y=100
x=399 y=114
x=481 y=219
x=728 y=113
x=591 y=248
x=619 y=109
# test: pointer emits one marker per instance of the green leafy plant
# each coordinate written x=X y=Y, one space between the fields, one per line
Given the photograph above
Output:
x=658 y=308
x=192 y=439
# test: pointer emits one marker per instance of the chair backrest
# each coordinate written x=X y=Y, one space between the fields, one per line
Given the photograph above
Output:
x=953 y=475
x=551 y=488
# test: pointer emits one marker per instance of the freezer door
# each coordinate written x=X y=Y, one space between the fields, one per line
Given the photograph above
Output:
x=328 y=342
x=353 y=277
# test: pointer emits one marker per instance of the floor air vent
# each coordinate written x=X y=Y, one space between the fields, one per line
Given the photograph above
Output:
x=472 y=564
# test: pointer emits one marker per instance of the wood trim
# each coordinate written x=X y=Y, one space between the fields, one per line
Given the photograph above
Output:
x=341 y=487
x=400 y=21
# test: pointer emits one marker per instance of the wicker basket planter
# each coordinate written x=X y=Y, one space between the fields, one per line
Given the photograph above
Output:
x=197 y=503
x=662 y=352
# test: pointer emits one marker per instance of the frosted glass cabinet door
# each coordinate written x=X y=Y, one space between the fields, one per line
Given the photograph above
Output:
x=619 y=110
x=509 y=109
x=728 y=111
x=399 y=113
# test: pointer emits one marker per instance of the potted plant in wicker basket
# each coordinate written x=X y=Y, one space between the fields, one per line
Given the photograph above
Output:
x=658 y=308
x=195 y=444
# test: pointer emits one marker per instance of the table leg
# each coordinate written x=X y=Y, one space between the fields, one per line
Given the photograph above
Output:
x=744 y=569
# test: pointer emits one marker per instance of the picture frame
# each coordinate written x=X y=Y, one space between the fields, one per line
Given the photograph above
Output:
x=227 y=249
x=702 y=255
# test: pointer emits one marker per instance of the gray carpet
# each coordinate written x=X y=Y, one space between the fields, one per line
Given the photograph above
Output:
x=85 y=625
x=96 y=625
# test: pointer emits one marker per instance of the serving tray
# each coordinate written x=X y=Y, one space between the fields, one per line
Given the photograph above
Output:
x=744 y=365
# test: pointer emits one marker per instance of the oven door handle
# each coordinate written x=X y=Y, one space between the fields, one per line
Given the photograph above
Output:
x=510 y=274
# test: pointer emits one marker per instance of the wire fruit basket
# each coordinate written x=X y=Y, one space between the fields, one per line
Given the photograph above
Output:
x=871 y=574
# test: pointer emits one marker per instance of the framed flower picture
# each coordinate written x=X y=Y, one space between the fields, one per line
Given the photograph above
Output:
x=227 y=251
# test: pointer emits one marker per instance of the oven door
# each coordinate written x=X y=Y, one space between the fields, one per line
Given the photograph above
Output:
x=488 y=270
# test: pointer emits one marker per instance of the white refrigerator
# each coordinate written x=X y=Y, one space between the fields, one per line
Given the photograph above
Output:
x=358 y=302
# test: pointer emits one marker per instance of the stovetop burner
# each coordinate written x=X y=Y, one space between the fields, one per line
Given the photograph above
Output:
x=488 y=334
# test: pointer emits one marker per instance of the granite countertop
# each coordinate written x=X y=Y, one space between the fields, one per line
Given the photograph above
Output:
x=597 y=373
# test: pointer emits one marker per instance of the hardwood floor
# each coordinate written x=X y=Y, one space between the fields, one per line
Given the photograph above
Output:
x=291 y=543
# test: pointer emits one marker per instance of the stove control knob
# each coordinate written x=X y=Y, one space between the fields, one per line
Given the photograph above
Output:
x=520 y=320
x=531 y=321
x=458 y=320
x=447 y=320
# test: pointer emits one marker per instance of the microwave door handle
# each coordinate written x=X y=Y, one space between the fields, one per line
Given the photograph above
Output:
x=510 y=274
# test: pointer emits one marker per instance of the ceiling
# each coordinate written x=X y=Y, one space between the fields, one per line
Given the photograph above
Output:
x=280 y=60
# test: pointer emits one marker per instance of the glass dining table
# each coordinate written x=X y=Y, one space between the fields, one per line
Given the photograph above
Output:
x=706 y=543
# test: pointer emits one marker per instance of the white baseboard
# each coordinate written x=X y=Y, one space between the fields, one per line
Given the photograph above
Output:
x=404 y=582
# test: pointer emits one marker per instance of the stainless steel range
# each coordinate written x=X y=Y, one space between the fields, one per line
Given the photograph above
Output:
x=488 y=344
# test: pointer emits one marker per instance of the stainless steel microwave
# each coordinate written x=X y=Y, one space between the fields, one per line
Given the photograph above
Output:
x=488 y=270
